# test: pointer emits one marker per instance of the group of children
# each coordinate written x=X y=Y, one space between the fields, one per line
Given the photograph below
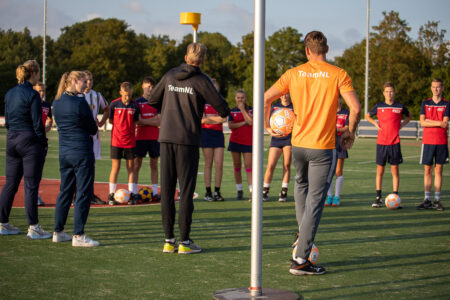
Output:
x=135 y=133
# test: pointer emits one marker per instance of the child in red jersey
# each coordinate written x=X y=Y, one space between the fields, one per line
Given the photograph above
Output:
x=240 y=122
x=123 y=114
x=434 y=116
x=213 y=148
x=147 y=133
x=389 y=114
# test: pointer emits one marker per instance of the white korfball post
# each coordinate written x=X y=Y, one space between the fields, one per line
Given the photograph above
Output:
x=44 y=66
x=255 y=291
x=191 y=18
x=366 y=96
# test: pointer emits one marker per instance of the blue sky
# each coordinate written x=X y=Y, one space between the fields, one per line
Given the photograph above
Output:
x=342 y=21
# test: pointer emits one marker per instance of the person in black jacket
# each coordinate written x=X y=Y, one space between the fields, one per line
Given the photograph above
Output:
x=26 y=146
x=181 y=95
x=76 y=125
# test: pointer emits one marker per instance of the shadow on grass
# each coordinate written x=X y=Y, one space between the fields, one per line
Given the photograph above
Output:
x=380 y=287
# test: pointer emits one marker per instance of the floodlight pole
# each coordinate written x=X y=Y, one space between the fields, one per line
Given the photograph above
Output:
x=190 y=18
x=258 y=147
x=44 y=66
x=366 y=96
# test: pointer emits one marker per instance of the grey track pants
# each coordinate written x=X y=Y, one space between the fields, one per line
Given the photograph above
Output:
x=314 y=172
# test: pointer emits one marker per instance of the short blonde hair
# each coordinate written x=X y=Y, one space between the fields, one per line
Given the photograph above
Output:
x=25 y=70
x=126 y=86
x=195 y=53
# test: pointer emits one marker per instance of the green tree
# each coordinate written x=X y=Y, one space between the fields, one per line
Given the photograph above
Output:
x=431 y=42
x=15 y=48
x=393 y=57
x=107 y=48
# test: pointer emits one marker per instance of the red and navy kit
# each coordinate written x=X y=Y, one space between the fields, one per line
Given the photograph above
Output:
x=146 y=111
x=46 y=111
x=209 y=111
x=389 y=121
x=437 y=112
x=243 y=134
x=342 y=119
x=122 y=117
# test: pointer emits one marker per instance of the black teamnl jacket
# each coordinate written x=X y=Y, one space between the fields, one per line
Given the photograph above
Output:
x=181 y=95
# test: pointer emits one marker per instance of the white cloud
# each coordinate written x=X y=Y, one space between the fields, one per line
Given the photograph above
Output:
x=134 y=7
x=91 y=16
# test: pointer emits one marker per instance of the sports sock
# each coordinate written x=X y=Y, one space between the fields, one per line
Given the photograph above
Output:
x=427 y=195
x=172 y=240
x=266 y=185
x=217 y=189
x=112 y=187
x=285 y=184
x=154 y=189
x=208 y=190
x=239 y=186
x=437 y=196
x=379 y=194
x=339 y=182
x=395 y=192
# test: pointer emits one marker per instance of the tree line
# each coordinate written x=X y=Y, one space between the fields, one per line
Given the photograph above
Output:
x=115 y=53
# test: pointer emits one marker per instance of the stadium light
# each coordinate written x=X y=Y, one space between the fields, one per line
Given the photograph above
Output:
x=366 y=96
x=191 y=18
x=255 y=290
x=44 y=66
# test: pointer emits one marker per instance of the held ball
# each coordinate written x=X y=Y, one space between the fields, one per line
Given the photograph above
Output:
x=145 y=193
x=282 y=121
x=122 y=196
x=393 y=201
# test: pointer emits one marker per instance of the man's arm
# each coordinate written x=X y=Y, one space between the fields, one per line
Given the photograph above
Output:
x=270 y=95
x=104 y=117
x=431 y=123
x=155 y=121
x=157 y=94
x=348 y=137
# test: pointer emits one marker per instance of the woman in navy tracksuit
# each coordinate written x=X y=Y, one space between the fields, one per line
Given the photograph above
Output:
x=76 y=124
x=26 y=146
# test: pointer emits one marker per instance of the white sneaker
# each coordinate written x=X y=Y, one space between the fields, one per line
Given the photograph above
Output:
x=83 y=241
x=6 y=228
x=59 y=237
x=35 y=232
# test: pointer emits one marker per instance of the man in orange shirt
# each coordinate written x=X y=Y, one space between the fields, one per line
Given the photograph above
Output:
x=314 y=88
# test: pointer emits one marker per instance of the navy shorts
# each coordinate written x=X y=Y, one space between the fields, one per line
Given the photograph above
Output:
x=144 y=146
x=438 y=152
x=280 y=142
x=235 y=147
x=119 y=153
x=341 y=153
x=212 y=138
x=390 y=153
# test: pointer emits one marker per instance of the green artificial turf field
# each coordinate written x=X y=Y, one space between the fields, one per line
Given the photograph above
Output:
x=369 y=253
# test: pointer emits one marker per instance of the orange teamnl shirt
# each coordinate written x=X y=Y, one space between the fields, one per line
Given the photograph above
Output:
x=314 y=88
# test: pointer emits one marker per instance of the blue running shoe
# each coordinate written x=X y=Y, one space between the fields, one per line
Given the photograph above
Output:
x=329 y=200
x=336 y=201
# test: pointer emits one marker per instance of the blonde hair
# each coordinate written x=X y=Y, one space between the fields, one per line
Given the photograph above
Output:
x=126 y=86
x=25 y=70
x=195 y=53
x=65 y=81
x=40 y=83
x=88 y=74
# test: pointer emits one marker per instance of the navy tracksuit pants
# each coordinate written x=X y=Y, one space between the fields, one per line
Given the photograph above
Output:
x=77 y=173
x=178 y=161
x=25 y=158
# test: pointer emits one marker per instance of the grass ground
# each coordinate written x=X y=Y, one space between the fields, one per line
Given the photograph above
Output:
x=369 y=253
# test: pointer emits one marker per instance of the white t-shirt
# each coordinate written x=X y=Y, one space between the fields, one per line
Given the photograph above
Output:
x=95 y=101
